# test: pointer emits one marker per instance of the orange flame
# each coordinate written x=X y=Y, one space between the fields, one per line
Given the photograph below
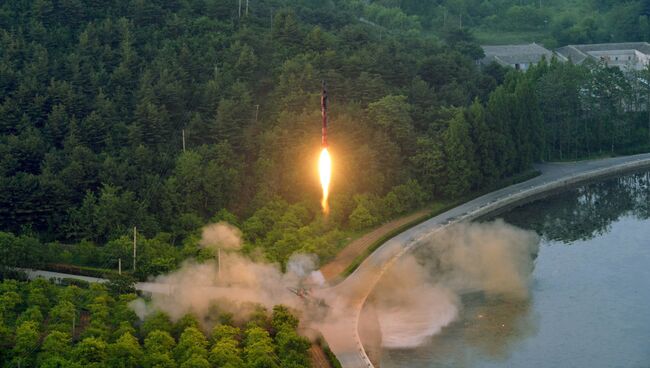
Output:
x=325 y=169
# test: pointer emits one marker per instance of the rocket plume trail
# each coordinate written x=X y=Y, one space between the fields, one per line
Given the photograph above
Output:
x=325 y=162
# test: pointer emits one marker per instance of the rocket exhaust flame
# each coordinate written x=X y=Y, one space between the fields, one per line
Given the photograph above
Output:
x=325 y=169
x=325 y=162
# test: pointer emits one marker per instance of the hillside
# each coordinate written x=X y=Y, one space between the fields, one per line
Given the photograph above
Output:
x=98 y=97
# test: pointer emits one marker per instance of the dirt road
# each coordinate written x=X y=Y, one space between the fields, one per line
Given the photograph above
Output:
x=344 y=259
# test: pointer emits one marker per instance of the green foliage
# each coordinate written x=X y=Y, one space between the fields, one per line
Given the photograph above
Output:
x=282 y=318
x=185 y=322
x=121 y=284
x=268 y=341
x=361 y=217
x=158 y=321
x=258 y=349
x=459 y=150
x=32 y=313
x=226 y=353
x=56 y=343
x=225 y=332
x=554 y=22
x=191 y=346
x=292 y=348
x=26 y=341
x=90 y=351
x=61 y=317
x=125 y=352
x=158 y=346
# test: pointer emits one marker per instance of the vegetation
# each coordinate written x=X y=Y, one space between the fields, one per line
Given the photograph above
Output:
x=551 y=22
x=96 y=100
x=45 y=325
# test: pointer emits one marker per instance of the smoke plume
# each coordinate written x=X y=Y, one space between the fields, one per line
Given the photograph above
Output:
x=221 y=235
x=420 y=294
x=204 y=289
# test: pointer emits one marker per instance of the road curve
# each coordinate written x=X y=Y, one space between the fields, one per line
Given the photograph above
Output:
x=347 y=298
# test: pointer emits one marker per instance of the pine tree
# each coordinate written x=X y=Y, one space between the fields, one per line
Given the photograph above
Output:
x=462 y=168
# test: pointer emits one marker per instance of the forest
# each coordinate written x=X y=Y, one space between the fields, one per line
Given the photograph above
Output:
x=45 y=325
x=168 y=115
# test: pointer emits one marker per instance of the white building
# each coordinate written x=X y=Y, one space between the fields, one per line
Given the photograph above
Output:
x=626 y=55
x=520 y=57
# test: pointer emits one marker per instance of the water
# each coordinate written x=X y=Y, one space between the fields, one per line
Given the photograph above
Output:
x=590 y=295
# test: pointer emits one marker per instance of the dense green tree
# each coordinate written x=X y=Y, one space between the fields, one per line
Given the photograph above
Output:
x=292 y=348
x=482 y=143
x=33 y=314
x=125 y=352
x=226 y=353
x=157 y=321
x=258 y=349
x=56 y=343
x=62 y=317
x=225 y=331
x=90 y=351
x=462 y=169
x=361 y=218
x=26 y=341
x=498 y=118
x=191 y=347
x=185 y=322
x=392 y=114
x=158 y=346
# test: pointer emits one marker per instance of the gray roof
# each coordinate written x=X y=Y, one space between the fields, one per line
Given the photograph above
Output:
x=572 y=53
x=515 y=54
x=578 y=53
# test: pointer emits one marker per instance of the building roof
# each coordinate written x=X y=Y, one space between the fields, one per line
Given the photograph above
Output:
x=515 y=54
x=578 y=53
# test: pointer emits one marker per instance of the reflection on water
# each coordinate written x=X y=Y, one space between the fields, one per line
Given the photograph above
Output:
x=590 y=301
x=586 y=211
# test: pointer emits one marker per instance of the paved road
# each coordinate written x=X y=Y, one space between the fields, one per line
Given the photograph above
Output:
x=32 y=274
x=347 y=298
x=149 y=287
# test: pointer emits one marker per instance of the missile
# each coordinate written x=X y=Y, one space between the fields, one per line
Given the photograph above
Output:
x=323 y=109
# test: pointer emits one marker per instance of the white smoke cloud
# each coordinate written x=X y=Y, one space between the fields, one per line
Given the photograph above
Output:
x=221 y=235
x=235 y=287
x=420 y=295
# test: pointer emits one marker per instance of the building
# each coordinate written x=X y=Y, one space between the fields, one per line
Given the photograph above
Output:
x=626 y=55
x=520 y=57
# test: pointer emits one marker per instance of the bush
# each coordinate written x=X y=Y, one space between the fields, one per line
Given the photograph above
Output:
x=69 y=281
x=361 y=218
